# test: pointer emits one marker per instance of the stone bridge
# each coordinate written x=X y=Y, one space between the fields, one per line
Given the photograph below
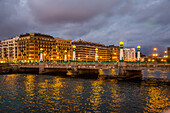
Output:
x=124 y=69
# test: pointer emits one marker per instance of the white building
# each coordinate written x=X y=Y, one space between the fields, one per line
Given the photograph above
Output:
x=129 y=54
x=9 y=49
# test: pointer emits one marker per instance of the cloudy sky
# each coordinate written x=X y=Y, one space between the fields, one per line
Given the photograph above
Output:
x=136 y=22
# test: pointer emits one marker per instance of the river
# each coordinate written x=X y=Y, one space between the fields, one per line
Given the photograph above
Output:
x=49 y=93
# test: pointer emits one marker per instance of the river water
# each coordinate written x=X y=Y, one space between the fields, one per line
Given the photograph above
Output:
x=49 y=93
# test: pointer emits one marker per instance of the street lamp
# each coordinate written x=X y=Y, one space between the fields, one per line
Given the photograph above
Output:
x=65 y=56
x=155 y=54
x=121 y=51
x=41 y=57
x=96 y=55
x=74 y=53
x=138 y=57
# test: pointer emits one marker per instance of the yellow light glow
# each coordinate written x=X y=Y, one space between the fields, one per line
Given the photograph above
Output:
x=149 y=60
x=78 y=57
x=165 y=51
x=29 y=58
x=138 y=47
x=96 y=49
x=65 y=51
x=162 y=60
x=121 y=43
x=74 y=46
x=51 y=58
x=44 y=54
x=155 y=49
x=153 y=60
x=153 y=55
x=41 y=49
x=56 y=47
x=57 y=57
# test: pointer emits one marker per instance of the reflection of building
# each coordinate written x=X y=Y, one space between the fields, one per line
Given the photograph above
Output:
x=85 y=52
x=168 y=54
x=29 y=45
x=9 y=49
x=129 y=54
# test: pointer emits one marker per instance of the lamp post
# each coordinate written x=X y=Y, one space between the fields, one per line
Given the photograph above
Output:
x=165 y=56
x=96 y=55
x=138 y=57
x=155 y=53
x=41 y=57
x=65 y=56
x=74 y=53
x=121 y=51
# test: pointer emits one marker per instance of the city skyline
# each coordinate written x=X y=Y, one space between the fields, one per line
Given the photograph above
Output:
x=142 y=22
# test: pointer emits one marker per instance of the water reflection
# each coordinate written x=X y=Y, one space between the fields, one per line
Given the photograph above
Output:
x=158 y=97
x=36 y=93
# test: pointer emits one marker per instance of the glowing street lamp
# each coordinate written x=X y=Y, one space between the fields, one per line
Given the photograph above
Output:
x=121 y=51
x=138 y=57
x=65 y=56
x=155 y=53
x=41 y=57
x=74 y=53
x=96 y=55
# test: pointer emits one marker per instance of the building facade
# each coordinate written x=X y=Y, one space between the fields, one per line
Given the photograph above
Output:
x=9 y=50
x=29 y=45
x=168 y=54
x=114 y=53
x=85 y=52
x=129 y=54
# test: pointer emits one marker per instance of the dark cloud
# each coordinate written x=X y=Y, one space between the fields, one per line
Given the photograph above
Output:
x=136 y=22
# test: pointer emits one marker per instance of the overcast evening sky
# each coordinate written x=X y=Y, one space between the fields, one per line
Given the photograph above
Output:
x=136 y=22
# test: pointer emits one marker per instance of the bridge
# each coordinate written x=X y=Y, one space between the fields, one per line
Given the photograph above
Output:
x=125 y=69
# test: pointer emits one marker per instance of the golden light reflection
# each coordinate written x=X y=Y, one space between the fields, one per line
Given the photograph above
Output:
x=95 y=98
x=157 y=99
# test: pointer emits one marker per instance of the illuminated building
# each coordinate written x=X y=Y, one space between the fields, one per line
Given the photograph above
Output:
x=168 y=54
x=9 y=50
x=61 y=46
x=114 y=53
x=29 y=46
x=86 y=52
x=129 y=54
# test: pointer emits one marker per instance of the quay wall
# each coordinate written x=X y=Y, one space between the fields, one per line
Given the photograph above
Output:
x=4 y=68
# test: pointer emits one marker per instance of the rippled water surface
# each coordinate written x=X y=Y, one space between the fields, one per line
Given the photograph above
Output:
x=46 y=93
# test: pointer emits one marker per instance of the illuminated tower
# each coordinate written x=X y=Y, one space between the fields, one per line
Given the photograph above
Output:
x=138 y=55
x=74 y=53
x=121 y=51
x=96 y=55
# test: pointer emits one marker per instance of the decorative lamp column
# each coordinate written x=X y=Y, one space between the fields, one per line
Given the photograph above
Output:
x=74 y=53
x=138 y=57
x=121 y=51
x=65 y=56
x=96 y=55
x=41 y=57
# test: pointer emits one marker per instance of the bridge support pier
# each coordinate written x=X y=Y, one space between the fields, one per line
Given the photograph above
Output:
x=41 y=68
x=74 y=69
x=122 y=68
